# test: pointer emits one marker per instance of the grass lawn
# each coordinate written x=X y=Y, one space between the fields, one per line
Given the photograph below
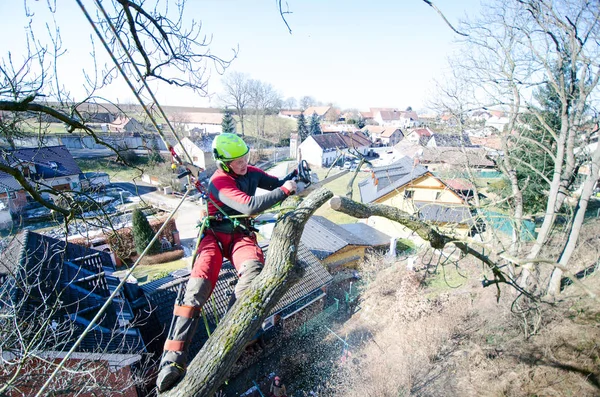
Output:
x=147 y=273
x=339 y=187
x=116 y=171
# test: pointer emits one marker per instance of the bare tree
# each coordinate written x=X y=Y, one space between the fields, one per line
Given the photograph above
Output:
x=160 y=46
x=265 y=100
x=237 y=93
x=306 y=102
x=515 y=48
x=290 y=103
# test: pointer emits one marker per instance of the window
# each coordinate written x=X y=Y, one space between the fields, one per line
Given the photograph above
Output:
x=409 y=194
x=438 y=195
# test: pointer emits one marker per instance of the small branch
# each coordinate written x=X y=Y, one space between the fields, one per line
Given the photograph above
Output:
x=429 y=3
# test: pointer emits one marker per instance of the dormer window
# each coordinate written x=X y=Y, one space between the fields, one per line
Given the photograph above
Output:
x=53 y=165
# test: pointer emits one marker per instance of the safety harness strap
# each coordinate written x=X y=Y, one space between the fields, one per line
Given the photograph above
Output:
x=174 y=345
x=186 y=311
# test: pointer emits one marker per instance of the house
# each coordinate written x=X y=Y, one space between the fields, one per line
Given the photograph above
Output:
x=322 y=150
x=498 y=122
x=200 y=150
x=289 y=114
x=387 y=136
x=457 y=160
x=124 y=124
x=12 y=195
x=327 y=129
x=324 y=113
x=199 y=122
x=94 y=180
x=336 y=246
x=414 y=189
x=419 y=135
x=55 y=289
x=44 y=167
x=449 y=140
x=409 y=119
x=159 y=297
x=386 y=117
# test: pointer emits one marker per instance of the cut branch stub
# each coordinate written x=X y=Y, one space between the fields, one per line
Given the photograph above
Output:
x=211 y=366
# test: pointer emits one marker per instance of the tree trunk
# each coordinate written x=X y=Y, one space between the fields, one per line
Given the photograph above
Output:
x=586 y=193
x=211 y=366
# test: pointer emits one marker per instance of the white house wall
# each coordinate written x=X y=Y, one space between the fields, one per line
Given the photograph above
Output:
x=311 y=152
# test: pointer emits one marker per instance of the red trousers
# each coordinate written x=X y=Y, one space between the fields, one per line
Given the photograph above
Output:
x=238 y=247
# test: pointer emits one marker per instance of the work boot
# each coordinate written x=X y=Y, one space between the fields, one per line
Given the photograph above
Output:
x=174 y=359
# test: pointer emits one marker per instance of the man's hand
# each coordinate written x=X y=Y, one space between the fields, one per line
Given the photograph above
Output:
x=290 y=186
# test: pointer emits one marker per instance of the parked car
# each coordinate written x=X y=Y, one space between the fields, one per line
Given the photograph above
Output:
x=347 y=165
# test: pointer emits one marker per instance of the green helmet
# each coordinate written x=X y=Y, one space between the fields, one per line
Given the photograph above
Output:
x=227 y=147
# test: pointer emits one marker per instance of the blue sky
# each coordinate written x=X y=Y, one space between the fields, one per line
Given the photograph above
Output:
x=352 y=53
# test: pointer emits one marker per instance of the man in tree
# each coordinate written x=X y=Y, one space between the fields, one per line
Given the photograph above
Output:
x=232 y=191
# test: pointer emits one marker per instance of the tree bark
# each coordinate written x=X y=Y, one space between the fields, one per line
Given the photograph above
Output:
x=211 y=366
x=586 y=193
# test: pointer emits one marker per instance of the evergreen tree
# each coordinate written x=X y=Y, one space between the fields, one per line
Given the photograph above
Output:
x=315 y=126
x=360 y=123
x=302 y=128
x=155 y=157
x=143 y=233
x=228 y=123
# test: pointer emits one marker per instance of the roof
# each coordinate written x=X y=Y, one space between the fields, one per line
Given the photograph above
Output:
x=389 y=115
x=290 y=112
x=319 y=110
x=341 y=140
x=386 y=179
x=204 y=142
x=459 y=184
x=324 y=238
x=446 y=140
x=8 y=183
x=458 y=214
x=366 y=115
x=457 y=156
x=422 y=132
x=410 y=114
x=389 y=132
x=161 y=295
x=50 y=162
x=492 y=142
x=367 y=233
x=82 y=278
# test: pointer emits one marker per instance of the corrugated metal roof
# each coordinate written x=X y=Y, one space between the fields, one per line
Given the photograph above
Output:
x=385 y=179
x=324 y=238
x=458 y=214
x=367 y=233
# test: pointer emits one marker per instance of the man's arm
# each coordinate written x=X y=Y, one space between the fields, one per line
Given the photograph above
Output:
x=225 y=190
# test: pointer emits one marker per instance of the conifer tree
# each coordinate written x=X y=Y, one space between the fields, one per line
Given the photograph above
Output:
x=315 y=126
x=143 y=233
x=228 y=123
x=302 y=128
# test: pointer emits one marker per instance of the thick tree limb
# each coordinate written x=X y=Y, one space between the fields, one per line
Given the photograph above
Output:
x=425 y=231
x=210 y=368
